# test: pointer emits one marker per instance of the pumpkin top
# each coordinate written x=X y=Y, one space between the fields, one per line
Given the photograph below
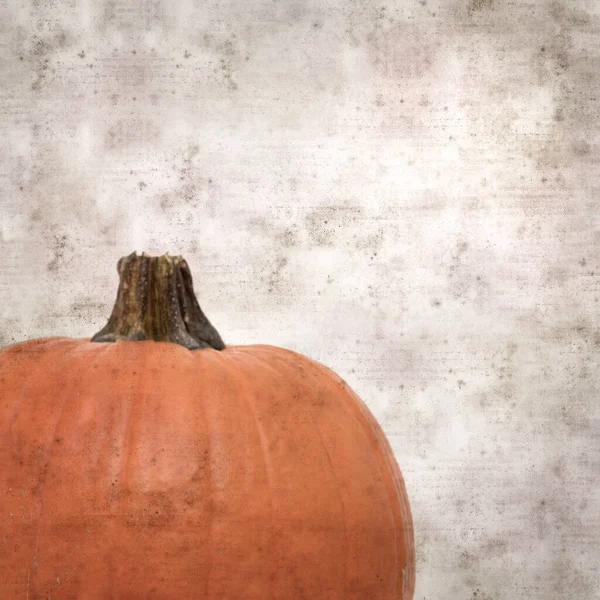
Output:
x=156 y=301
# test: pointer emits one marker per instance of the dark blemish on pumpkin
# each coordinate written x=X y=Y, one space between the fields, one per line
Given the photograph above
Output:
x=81 y=54
x=190 y=499
x=202 y=464
x=154 y=509
x=141 y=185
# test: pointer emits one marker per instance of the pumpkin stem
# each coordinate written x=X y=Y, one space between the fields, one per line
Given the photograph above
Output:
x=156 y=301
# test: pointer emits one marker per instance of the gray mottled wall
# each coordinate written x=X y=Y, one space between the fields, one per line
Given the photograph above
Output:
x=406 y=191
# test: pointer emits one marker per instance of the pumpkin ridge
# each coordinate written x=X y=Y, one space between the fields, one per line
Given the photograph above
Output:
x=342 y=506
x=133 y=413
x=266 y=461
x=288 y=360
x=363 y=415
x=210 y=543
x=49 y=446
x=385 y=452
x=306 y=389
x=28 y=381
x=349 y=409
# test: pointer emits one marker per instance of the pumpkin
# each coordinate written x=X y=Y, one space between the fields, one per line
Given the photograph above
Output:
x=153 y=461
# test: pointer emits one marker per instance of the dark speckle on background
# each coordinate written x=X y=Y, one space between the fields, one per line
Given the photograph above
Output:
x=60 y=248
x=477 y=5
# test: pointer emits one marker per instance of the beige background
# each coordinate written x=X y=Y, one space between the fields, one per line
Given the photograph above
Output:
x=406 y=191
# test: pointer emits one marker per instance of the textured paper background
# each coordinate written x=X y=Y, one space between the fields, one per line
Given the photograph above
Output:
x=406 y=191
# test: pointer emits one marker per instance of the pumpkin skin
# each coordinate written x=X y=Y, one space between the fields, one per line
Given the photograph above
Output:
x=140 y=470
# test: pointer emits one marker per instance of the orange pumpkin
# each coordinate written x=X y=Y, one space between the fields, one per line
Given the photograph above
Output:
x=146 y=469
